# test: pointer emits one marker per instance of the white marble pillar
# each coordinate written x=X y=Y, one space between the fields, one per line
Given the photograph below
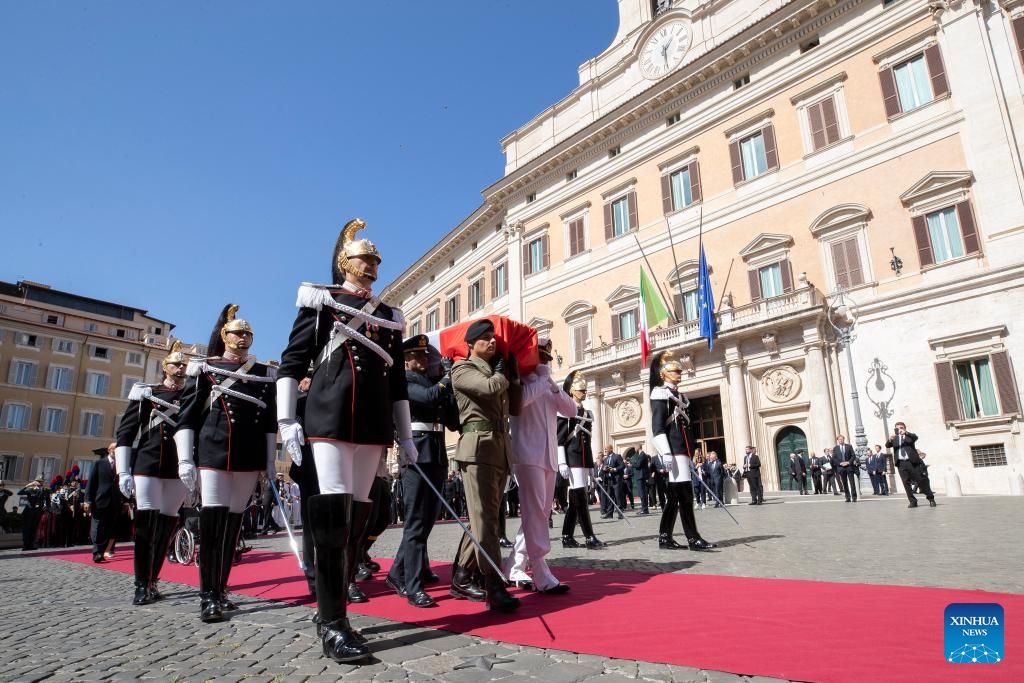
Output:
x=596 y=406
x=738 y=409
x=822 y=421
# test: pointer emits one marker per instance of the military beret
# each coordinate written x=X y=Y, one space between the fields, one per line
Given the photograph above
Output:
x=417 y=342
x=478 y=329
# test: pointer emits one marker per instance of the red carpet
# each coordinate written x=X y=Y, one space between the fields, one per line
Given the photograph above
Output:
x=767 y=627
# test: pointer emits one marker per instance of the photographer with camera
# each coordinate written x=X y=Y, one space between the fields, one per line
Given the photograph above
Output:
x=911 y=467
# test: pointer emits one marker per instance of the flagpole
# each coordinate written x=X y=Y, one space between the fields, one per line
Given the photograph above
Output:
x=657 y=283
x=679 y=285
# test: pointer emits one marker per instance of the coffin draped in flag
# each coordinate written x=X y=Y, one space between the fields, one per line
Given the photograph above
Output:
x=653 y=312
x=512 y=336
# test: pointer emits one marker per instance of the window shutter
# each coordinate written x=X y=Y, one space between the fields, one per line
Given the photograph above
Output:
x=967 y=227
x=14 y=471
x=545 y=243
x=577 y=240
x=817 y=126
x=11 y=373
x=1005 y=385
x=947 y=392
x=737 y=163
x=937 y=70
x=631 y=203
x=666 y=194
x=677 y=305
x=856 y=272
x=609 y=226
x=831 y=120
x=494 y=283
x=695 y=181
x=924 y=245
x=1018 y=31
x=526 y=259
x=616 y=336
x=755 y=285
x=771 y=154
x=839 y=261
x=889 y=95
x=786 y=272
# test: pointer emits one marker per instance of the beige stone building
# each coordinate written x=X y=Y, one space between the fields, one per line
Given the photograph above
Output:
x=67 y=363
x=867 y=148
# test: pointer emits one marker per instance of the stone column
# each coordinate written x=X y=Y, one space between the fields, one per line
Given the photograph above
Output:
x=738 y=409
x=597 y=429
x=820 y=417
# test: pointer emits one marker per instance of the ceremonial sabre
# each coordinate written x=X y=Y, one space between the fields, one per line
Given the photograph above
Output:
x=288 y=528
x=693 y=473
x=612 y=501
x=465 y=528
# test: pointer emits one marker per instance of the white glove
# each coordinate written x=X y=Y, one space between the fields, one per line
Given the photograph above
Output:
x=563 y=467
x=184 y=442
x=126 y=483
x=407 y=452
x=271 y=456
x=292 y=439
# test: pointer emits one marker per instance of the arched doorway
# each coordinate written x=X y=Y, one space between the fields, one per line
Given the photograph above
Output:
x=789 y=440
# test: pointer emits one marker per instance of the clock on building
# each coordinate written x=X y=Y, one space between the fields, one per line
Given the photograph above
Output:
x=664 y=49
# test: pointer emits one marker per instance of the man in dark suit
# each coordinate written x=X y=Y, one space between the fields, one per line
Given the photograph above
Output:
x=816 y=463
x=798 y=472
x=642 y=468
x=752 y=473
x=876 y=470
x=660 y=473
x=911 y=466
x=614 y=467
x=716 y=475
x=844 y=462
x=103 y=500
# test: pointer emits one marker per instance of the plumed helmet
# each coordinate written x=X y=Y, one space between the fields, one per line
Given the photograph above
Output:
x=226 y=322
x=175 y=356
x=348 y=247
x=574 y=382
x=663 y=363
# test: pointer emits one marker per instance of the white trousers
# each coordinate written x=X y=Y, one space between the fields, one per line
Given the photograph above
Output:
x=579 y=477
x=343 y=467
x=163 y=495
x=678 y=468
x=533 y=541
x=227 y=489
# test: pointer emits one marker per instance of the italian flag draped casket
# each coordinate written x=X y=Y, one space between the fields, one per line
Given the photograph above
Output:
x=510 y=335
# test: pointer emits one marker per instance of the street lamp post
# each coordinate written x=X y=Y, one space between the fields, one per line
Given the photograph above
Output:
x=842 y=316
x=884 y=390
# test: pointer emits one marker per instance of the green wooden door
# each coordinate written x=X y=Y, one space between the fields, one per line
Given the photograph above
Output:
x=790 y=440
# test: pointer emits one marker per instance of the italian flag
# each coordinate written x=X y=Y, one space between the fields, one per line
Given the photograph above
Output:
x=653 y=312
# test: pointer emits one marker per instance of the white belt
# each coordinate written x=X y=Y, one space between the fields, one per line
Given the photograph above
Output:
x=427 y=427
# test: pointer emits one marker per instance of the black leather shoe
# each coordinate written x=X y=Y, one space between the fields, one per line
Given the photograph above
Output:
x=430 y=577
x=96 y=557
x=463 y=588
x=557 y=589
x=593 y=542
x=141 y=594
x=699 y=544
x=364 y=573
x=154 y=594
x=395 y=586
x=912 y=505
x=499 y=600
x=374 y=566
x=931 y=503
x=421 y=599
x=356 y=594
x=606 y=516
x=340 y=642
x=666 y=542
x=505 y=543
x=753 y=502
x=209 y=608
x=226 y=605
x=569 y=542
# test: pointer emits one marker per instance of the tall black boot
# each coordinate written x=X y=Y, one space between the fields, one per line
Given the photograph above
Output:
x=569 y=523
x=164 y=530
x=356 y=542
x=233 y=528
x=586 y=526
x=213 y=521
x=144 y=528
x=668 y=519
x=686 y=516
x=329 y=519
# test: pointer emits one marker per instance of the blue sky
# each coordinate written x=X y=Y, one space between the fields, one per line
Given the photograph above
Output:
x=178 y=156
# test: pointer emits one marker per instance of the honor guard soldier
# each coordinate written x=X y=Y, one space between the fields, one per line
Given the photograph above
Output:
x=149 y=471
x=432 y=406
x=575 y=463
x=229 y=402
x=357 y=401
x=670 y=423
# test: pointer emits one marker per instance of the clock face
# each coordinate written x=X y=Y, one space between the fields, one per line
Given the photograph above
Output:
x=665 y=49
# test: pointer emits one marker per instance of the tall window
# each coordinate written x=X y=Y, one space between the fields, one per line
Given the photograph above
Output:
x=133 y=358
x=977 y=388
x=686 y=305
x=45 y=467
x=433 y=319
x=59 y=378
x=846 y=260
x=451 y=310
x=23 y=373
x=10 y=466
x=823 y=123
x=771 y=280
x=476 y=295
x=580 y=341
x=946 y=234
x=576 y=235
x=535 y=255
x=913 y=82
x=96 y=383
x=753 y=155
x=53 y=420
x=414 y=329
x=92 y=423
x=620 y=216
x=680 y=188
x=65 y=346
x=100 y=353
x=32 y=341
x=624 y=325
x=15 y=416
x=499 y=280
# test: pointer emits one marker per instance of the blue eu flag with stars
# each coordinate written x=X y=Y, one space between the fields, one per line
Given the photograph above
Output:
x=706 y=302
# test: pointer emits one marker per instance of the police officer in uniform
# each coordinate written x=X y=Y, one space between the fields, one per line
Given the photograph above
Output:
x=575 y=462
x=152 y=474
x=228 y=401
x=670 y=423
x=357 y=401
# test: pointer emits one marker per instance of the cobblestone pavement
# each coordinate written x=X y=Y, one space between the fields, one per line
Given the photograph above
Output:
x=72 y=622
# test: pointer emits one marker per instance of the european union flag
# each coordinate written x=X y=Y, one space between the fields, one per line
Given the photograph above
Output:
x=706 y=302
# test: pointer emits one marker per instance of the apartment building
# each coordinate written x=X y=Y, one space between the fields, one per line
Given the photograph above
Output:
x=854 y=170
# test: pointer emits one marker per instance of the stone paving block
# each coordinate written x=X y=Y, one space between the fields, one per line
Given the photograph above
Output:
x=609 y=678
x=722 y=677
x=686 y=674
x=400 y=653
x=564 y=671
x=652 y=671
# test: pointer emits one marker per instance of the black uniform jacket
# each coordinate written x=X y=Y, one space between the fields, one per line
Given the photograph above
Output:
x=155 y=455
x=351 y=393
x=232 y=433
x=578 y=452
x=663 y=405
x=432 y=404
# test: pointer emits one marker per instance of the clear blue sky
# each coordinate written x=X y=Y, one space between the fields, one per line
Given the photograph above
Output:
x=179 y=156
